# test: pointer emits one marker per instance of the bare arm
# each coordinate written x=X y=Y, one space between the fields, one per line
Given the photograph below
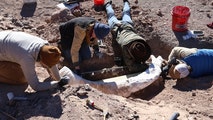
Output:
x=28 y=67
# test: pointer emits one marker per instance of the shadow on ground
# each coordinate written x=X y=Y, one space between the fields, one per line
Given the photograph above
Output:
x=189 y=84
x=151 y=91
x=43 y=103
x=202 y=42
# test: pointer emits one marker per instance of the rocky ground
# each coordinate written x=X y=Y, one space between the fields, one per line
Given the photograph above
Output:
x=191 y=98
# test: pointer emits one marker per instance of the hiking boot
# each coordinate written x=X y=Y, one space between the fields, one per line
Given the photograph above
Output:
x=107 y=3
x=70 y=1
x=125 y=1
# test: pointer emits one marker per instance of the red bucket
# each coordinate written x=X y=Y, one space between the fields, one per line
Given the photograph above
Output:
x=180 y=16
x=98 y=2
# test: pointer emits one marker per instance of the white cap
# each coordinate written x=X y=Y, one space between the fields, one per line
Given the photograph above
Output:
x=182 y=69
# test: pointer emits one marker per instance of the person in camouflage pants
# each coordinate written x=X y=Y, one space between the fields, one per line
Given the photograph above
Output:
x=134 y=49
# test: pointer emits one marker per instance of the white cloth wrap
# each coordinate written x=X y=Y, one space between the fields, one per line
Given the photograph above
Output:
x=122 y=85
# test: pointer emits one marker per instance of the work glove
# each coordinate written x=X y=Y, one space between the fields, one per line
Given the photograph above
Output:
x=98 y=54
x=165 y=71
x=173 y=61
x=64 y=81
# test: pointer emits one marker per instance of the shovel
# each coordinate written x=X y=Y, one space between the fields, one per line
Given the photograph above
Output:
x=91 y=104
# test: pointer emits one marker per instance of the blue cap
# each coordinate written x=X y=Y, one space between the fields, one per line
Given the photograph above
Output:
x=101 y=30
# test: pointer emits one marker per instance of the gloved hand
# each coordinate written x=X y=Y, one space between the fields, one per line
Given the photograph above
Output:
x=173 y=61
x=165 y=71
x=99 y=54
x=64 y=81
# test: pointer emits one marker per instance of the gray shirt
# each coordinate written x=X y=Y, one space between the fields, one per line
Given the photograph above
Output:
x=23 y=49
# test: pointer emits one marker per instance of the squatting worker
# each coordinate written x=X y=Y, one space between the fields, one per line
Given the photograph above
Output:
x=76 y=37
x=135 y=50
x=19 y=52
x=193 y=62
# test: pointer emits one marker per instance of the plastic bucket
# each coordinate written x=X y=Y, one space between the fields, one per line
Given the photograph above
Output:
x=99 y=5
x=98 y=2
x=180 y=16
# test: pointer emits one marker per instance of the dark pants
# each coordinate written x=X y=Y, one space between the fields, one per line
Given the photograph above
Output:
x=84 y=53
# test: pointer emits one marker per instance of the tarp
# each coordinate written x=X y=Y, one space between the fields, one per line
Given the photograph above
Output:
x=123 y=85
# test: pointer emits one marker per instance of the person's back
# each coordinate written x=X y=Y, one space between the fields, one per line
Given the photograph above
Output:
x=192 y=61
x=19 y=46
x=200 y=62
x=67 y=29
x=18 y=53
x=77 y=35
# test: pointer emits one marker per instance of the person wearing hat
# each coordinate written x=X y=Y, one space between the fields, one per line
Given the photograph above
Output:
x=192 y=62
x=19 y=52
x=134 y=48
x=76 y=37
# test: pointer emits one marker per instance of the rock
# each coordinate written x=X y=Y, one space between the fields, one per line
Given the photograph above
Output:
x=61 y=15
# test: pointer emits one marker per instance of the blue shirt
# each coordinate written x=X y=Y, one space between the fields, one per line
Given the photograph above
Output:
x=201 y=62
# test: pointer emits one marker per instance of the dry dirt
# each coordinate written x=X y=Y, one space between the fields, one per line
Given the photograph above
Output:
x=191 y=98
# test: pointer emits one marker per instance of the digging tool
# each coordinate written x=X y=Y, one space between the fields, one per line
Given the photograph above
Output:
x=92 y=104
x=8 y=115
x=101 y=44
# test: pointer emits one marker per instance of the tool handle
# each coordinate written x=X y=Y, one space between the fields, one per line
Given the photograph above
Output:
x=175 y=116
x=92 y=104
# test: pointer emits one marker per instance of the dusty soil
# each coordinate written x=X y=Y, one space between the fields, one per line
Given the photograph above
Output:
x=192 y=98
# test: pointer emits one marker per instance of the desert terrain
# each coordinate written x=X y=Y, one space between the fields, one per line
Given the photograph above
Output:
x=191 y=98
